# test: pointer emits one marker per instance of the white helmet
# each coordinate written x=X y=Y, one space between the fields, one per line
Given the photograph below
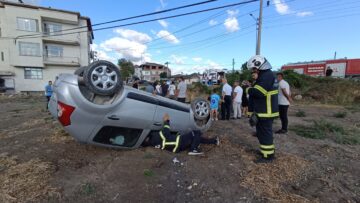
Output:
x=258 y=62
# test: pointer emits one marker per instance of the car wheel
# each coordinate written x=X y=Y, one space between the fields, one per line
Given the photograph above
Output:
x=103 y=78
x=201 y=109
x=80 y=71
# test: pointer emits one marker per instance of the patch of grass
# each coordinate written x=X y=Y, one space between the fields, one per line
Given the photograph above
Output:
x=88 y=189
x=340 y=114
x=323 y=129
x=308 y=132
x=353 y=109
x=351 y=138
x=300 y=113
x=148 y=173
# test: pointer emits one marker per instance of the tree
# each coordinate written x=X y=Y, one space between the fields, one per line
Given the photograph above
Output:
x=163 y=75
x=244 y=66
x=126 y=68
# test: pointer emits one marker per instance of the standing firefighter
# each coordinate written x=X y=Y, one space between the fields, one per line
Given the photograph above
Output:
x=264 y=106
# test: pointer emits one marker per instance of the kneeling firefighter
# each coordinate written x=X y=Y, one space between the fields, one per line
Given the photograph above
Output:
x=177 y=142
x=263 y=96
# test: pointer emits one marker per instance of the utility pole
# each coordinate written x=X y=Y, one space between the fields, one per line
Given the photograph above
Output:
x=258 y=43
x=233 y=64
x=167 y=69
x=335 y=55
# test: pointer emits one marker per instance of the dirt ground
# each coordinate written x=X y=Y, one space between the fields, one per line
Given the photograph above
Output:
x=39 y=162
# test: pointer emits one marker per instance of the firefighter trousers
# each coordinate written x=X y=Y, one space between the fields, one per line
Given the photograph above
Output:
x=193 y=139
x=264 y=133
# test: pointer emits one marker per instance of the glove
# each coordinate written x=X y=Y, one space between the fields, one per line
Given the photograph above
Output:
x=253 y=120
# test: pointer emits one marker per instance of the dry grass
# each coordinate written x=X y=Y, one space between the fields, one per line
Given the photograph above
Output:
x=267 y=179
x=24 y=182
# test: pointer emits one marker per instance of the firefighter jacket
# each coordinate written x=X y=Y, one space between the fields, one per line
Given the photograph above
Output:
x=263 y=96
x=164 y=139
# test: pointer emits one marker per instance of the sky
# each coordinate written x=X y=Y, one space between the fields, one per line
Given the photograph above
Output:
x=293 y=31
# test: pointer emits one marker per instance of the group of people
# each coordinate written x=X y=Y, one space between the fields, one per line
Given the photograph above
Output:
x=166 y=90
x=232 y=99
x=265 y=101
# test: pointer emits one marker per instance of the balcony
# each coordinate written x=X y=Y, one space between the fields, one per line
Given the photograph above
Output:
x=62 y=61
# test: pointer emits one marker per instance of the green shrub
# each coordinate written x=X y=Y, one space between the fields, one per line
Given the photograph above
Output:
x=323 y=129
x=300 y=113
x=340 y=114
x=148 y=173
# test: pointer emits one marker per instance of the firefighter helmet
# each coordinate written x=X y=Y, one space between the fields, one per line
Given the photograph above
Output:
x=258 y=62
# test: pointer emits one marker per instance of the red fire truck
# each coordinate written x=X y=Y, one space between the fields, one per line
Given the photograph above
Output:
x=342 y=68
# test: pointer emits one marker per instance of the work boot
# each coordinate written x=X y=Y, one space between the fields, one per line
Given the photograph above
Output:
x=281 y=131
x=263 y=160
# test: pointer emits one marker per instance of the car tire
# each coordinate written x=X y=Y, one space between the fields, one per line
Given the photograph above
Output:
x=201 y=109
x=103 y=78
x=80 y=71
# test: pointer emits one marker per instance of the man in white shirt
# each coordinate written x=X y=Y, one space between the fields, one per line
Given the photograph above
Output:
x=181 y=90
x=171 y=90
x=226 y=97
x=237 y=99
x=284 y=102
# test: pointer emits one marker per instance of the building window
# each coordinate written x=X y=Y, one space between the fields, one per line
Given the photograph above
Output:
x=52 y=29
x=29 y=49
x=2 y=56
x=153 y=67
x=25 y=24
x=54 y=51
x=33 y=73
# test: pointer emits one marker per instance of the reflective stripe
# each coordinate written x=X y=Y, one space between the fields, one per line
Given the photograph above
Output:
x=164 y=143
x=266 y=153
x=249 y=113
x=247 y=90
x=268 y=95
x=267 y=146
x=265 y=115
x=261 y=89
x=166 y=126
x=267 y=150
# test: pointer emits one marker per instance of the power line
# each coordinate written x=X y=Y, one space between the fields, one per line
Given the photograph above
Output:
x=134 y=17
x=151 y=20
x=211 y=27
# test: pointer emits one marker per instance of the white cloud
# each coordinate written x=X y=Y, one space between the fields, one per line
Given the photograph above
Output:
x=178 y=60
x=197 y=59
x=133 y=35
x=231 y=24
x=101 y=54
x=213 y=22
x=304 y=13
x=232 y=12
x=167 y=36
x=281 y=7
x=163 y=23
x=131 y=50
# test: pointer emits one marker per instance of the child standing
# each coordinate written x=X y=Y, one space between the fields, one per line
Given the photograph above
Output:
x=214 y=105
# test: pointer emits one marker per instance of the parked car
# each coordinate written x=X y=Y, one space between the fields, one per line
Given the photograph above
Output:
x=95 y=107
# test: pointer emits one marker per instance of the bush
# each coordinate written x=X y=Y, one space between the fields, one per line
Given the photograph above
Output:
x=300 y=113
x=323 y=129
x=340 y=114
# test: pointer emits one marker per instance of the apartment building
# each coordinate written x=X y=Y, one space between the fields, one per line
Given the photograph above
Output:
x=35 y=45
x=151 y=71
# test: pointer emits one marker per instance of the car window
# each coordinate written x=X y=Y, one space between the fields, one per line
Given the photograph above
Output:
x=118 y=136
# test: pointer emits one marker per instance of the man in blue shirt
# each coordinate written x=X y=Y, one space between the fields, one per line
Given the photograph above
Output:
x=214 y=105
x=48 y=92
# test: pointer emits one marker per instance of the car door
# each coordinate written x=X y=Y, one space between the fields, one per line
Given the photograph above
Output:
x=129 y=123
